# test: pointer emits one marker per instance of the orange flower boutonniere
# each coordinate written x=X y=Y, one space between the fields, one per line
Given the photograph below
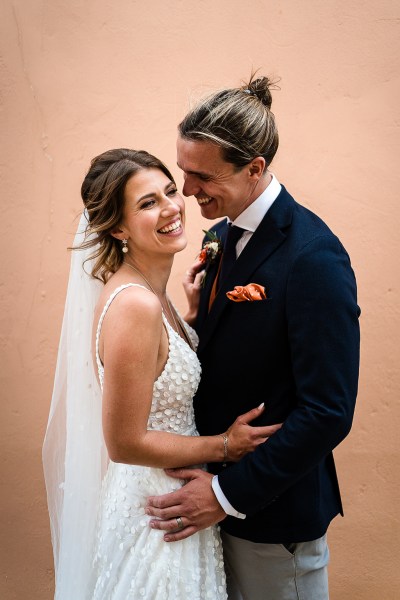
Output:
x=247 y=293
x=210 y=251
x=211 y=248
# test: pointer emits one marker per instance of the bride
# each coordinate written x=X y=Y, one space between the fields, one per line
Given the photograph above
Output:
x=114 y=428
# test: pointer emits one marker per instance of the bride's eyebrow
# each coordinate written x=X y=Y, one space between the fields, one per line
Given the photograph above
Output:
x=152 y=194
x=149 y=195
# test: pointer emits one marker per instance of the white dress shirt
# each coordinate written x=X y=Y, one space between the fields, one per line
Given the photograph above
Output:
x=249 y=220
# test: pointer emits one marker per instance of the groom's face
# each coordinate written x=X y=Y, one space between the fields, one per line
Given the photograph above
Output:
x=220 y=189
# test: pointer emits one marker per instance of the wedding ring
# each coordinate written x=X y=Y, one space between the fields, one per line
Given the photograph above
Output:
x=179 y=522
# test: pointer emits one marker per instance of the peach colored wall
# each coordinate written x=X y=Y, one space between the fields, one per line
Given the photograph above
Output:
x=82 y=76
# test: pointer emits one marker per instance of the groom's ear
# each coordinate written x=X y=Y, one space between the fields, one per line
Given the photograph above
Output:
x=257 y=167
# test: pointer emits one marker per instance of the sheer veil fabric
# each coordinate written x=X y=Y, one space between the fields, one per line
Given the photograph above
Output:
x=74 y=454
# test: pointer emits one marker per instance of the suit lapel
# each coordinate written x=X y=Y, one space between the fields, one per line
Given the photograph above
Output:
x=221 y=230
x=205 y=295
x=268 y=236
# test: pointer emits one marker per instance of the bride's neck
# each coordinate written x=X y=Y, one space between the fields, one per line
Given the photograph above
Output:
x=154 y=273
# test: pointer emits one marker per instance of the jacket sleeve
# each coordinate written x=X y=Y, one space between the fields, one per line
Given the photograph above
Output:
x=323 y=333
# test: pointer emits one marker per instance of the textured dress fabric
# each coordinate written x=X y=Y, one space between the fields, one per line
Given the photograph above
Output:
x=130 y=559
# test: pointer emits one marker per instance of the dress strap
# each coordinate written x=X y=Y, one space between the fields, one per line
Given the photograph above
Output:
x=190 y=336
x=103 y=314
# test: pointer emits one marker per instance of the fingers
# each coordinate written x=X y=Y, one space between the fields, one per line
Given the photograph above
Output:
x=252 y=414
x=199 y=509
x=173 y=532
x=167 y=505
x=170 y=524
x=180 y=535
x=183 y=473
x=192 y=284
x=262 y=434
x=196 y=268
x=165 y=515
x=198 y=280
x=172 y=499
x=267 y=430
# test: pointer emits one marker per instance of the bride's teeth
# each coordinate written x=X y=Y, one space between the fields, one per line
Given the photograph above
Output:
x=171 y=227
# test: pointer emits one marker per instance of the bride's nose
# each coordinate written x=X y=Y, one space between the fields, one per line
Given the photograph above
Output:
x=170 y=207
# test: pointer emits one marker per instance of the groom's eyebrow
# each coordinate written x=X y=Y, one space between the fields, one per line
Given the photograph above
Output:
x=198 y=173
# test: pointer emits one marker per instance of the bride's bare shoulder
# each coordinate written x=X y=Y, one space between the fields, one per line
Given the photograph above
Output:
x=128 y=300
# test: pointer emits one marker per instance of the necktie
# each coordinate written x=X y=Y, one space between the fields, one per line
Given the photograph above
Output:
x=229 y=252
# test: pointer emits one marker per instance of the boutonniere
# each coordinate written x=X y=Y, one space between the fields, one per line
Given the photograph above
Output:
x=247 y=293
x=210 y=251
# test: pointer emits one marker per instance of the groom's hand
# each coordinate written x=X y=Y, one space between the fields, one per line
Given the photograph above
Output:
x=195 y=503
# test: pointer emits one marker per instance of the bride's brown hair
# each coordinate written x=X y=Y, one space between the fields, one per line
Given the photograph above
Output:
x=102 y=193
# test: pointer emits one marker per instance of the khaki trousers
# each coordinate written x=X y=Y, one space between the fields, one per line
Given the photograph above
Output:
x=276 y=571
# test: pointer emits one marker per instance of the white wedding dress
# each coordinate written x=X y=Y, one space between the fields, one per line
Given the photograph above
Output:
x=131 y=560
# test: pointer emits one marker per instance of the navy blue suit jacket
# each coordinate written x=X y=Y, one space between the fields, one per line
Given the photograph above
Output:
x=297 y=351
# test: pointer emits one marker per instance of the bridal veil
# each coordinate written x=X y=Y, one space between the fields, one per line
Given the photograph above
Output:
x=74 y=453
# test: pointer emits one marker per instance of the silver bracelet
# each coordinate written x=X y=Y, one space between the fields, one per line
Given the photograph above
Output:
x=225 y=438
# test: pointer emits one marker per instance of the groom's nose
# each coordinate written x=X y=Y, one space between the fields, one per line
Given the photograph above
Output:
x=190 y=186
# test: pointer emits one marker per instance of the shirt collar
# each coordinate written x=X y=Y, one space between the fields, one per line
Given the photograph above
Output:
x=252 y=216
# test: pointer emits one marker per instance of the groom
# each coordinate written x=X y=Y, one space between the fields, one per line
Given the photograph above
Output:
x=297 y=350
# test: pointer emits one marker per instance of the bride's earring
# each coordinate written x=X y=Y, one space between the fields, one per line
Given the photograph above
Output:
x=124 y=246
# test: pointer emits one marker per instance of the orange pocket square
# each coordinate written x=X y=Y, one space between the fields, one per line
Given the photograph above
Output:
x=247 y=293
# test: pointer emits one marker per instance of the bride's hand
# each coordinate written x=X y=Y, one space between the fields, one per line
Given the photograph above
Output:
x=192 y=286
x=243 y=438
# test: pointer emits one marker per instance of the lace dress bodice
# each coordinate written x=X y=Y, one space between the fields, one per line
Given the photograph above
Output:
x=173 y=391
x=130 y=559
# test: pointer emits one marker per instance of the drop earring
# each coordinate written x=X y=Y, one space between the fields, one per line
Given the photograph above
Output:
x=124 y=246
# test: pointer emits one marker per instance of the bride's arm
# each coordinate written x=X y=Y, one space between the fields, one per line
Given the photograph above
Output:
x=134 y=354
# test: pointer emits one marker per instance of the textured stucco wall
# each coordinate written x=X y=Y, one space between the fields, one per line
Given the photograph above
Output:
x=82 y=76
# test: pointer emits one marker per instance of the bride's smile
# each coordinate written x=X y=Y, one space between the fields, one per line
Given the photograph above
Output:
x=154 y=214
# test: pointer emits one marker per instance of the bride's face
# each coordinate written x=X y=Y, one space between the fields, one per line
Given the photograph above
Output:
x=154 y=214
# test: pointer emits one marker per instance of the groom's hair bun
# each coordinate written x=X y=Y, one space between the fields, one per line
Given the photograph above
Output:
x=239 y=120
